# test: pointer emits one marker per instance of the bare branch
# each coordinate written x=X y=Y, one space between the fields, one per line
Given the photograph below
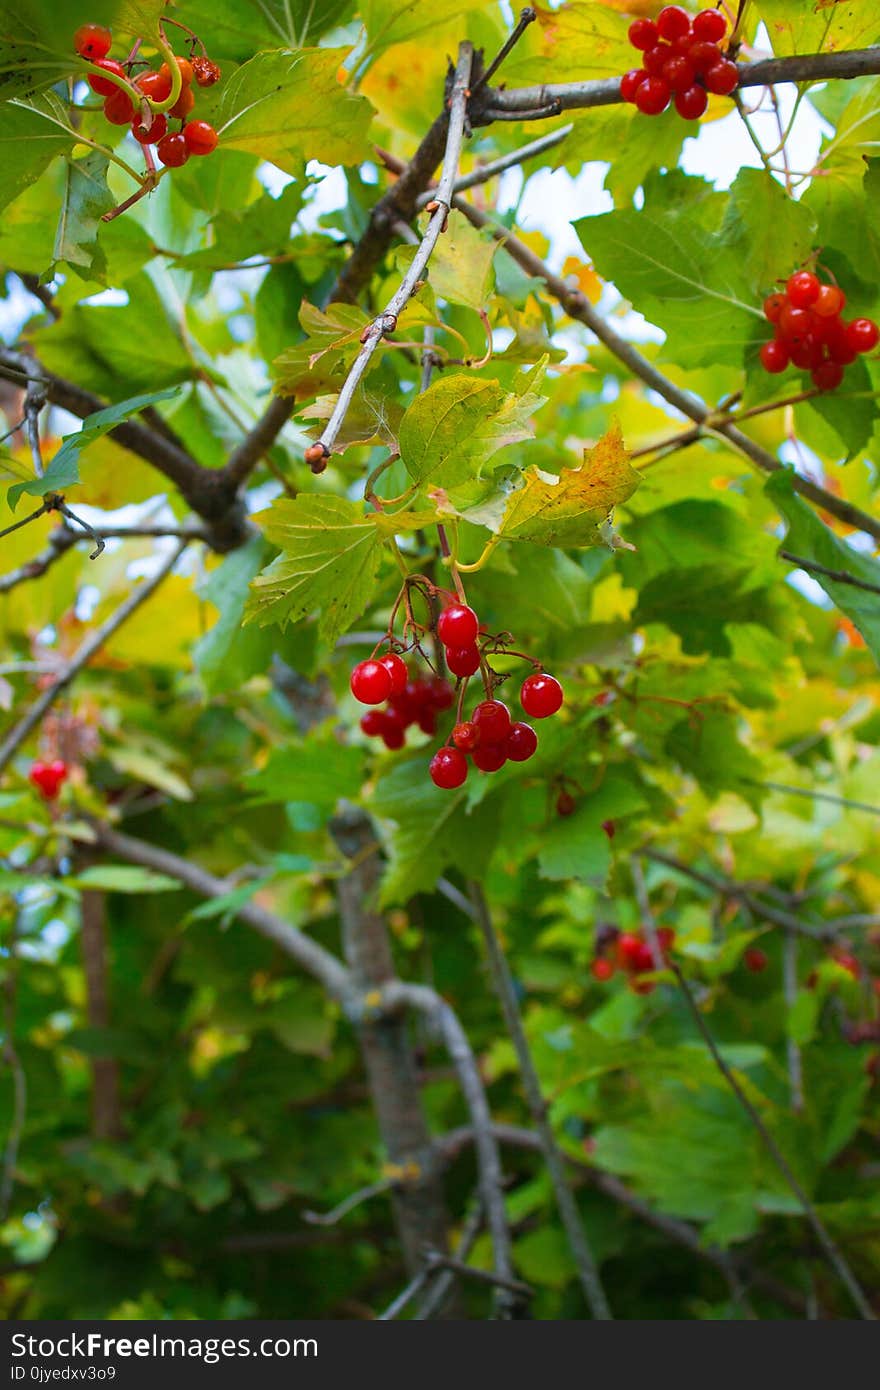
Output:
x=839 y=576
x=527 y=16
x=482 y=1276
x=442 y=1285
x=790 y=987
x=406 y=1295
x=364 y=1194
x=485 y=172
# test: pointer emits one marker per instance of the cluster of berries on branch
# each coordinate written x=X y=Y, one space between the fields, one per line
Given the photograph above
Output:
x=49 y=778
x=488 y=737
x=135 y=103
x=810 y=333
x=632 y=953
x=681 y=62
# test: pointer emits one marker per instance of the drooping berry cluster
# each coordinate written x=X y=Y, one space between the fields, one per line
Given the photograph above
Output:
x=135 y=103
x=681 y=61
x=632 y=953
x=48 y=778
x=410 y=699
x=810 y=333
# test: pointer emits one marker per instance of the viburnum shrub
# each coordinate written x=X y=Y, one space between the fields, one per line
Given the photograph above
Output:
x=682 y=62
x=810 y=332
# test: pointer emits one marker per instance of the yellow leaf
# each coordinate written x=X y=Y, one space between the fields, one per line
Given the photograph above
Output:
x=587 y=280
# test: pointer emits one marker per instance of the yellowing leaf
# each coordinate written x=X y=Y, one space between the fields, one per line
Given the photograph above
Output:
x=571 y=510
x=310 y=367
x=461 y=266
x=588 y=281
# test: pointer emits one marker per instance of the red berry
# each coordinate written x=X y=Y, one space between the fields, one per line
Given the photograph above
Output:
x=673 y=22
x=806 y=353
x=755 y=959
x=427 y=721
x=490 y=758
x=373 y=722
x=173 y=153
x=679 y=73
x=652 y=97
x=442 y=695
x=370 y=681
x=118 y=107
x=466 y=736
x=836 y=337
x=643 y=34
x=830 y=302
x=565 y=804
x=150 y=134
x=463 y=661
x=394 y=737
x=802 y=289
x=827 y=376
x=602 y=969
x=609 y=828
x=656 y=59
x=396 y=668
x=522 y=743
x=186 y=71
x=102 y=85
x=846 y=961
x=48 y=778
x=630 y=81
x=184 y=104
x=458 y=626
x=773 y=307
x=92 y=41
x=691 y=103
x=643 y=958
x=448 y=768
x=722 y=79
x=774 y=356
x=704 y=56
x=492 y=718
x=794 y=324
x=629 y=946
x=200 y=137
x=710 y=25
x=862 y=335
x=541 y=695
x=205 y=71
x=155 y=85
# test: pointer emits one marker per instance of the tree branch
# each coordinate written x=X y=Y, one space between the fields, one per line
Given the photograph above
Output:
x=106 y=1114
x=484 y=172
x=839 y=576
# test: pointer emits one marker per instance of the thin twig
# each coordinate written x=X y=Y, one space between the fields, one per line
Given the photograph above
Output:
x=813 y=795
x=485 y=172
x=34 y=401
x=330 y=1218
x=839 y=576
x=442 y=1286
x=790 y=989
x=406 y=1295
x=46 y=506
x=481 y=1276
x=527 y=16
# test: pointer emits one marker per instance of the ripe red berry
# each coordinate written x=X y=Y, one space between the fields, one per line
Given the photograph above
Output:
x=396 y=668
x=118 y=107
x=862 y=335
x=370 y=681
x=802 y=289
x=755 y=959
x=806 y=352
x=565 y=804
x=774 y=356
x=704 y=56
x=837 y=342
x=463 y=661
x=150 y=134
x=794 y=324
x=601 y=969
x=643 y=34
x=710 y=25
x=448 y=768
x=630 y=81
x=205 y=71
x=830 y=302
x=691 y=103
x=393 y=736
x=441 y=693
x=609 y=828
x=652 y=97
x=629 y=946
x=522 y=743
x=373 y=722
x=458 y=626
x=492 y=718
x=200 y=137
x=827 y=376
x=673 y=22
x=466 y=736
x=102 y=86
x=155 y=85
x=173 y=153
x=490 y=758
x=679 y=73
x=48 y=778
x=92 y=41
x=186 y=71
x=184 y=104
x=722 y=79
x=541 y=695
x=427 y=721
x=656 y=59
x=773 y=307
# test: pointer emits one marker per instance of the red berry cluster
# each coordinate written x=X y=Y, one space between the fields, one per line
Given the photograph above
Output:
x=810 y=334
x=631 y=952
x=682 y=61
x=410 y=700
x=135 y=106
x=48 y=778
x=755 y=960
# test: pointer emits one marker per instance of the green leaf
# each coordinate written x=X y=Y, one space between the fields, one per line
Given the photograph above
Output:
x=329 y=563
x=461 y=265
x=143 y=767
x=86 y=198
x=32 y=133
x=821 y=27
x=319 y=770
x=229 y=654
x=772 y=232
x=123 y=878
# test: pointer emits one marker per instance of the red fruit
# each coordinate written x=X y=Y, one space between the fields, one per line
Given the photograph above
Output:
x=604 y=698
x=200 y=137
x=442 y=695
x=420 y=692
x=630 y=81
x=601 y=969
x=490 y=758
x=48 y=778
x=642 y=959
x=755 y=959
x=862 y=335
x=806 y=353
x=150 y=134
x=101 y=85
x=458 y=626
x=629 y=946
x=827 y=376
x=155 y=85
x=394 y=737
x=186 y=71
x=118 y=107
x=541 y=695
x=466 y=736
x=396 y=668
x=691 y=103
x=774 y=356
x=679 y=73
x=183 y=105
x=427 y=721
x=656 y=59
x=710 y=25
x=93 y=41
x=802 y=289
x=609 y=828
x=492 y=718
x=373 y=722
x=463 y=661
x=794 y=324
x=830 y=302
x=722 y=79
x=673 y=22
x=448 y=768
x=704 y=56
x=522 y=743
x=565 y=804
x=173 y=153
x=844 y=959
x=665 y=938
x=370 y=681
x=205 y=71
x=643 y=34
x=837 y=341
x=773 y=307
x=652 y=97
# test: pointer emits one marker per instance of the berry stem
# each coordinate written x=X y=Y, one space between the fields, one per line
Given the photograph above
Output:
x=478 y=564
x=176 y=81
x=450 y=561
